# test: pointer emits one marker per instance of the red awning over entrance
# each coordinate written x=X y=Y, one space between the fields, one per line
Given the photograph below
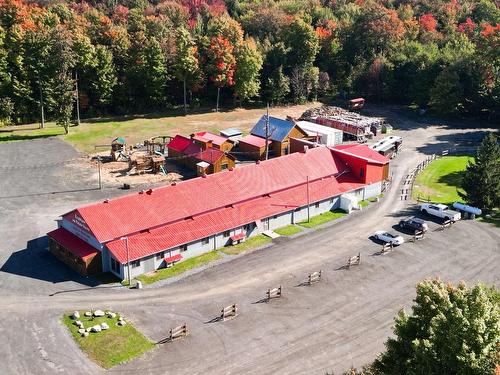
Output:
x=69 y=241
x=238 y=236
x=173 y=258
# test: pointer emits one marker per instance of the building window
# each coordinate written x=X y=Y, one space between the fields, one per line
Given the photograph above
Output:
x=205 y=241
x=275 y=216
x=160 y=255
x=223 y=166
x=226 y=233
x=316 y=205
x=183 y=248
x=136 y=263
x=361 y=172
x=246 y=227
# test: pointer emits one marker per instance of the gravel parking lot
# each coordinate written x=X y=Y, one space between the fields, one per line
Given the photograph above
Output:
x=341 y=321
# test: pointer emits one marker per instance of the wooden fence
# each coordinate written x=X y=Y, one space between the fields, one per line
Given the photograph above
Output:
x=229 y=312
x=178 y=332
x=353 y=261
x=418 y=235
x=274 y=293
x=314 y=277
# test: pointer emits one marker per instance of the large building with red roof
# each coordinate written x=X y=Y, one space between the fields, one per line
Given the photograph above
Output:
x=158 y=227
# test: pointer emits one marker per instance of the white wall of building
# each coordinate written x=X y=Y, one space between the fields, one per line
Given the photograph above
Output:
x=219 y=240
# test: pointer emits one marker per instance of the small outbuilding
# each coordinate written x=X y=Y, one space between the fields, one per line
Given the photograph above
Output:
x=279 y=132
x=218 y=142
x=252 y=147
x=233 y=134
x=321 y=134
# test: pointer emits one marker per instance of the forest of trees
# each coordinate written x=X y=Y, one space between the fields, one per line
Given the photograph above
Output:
x=139 y=56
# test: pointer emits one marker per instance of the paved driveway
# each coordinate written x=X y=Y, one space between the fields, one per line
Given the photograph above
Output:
x=342 y=321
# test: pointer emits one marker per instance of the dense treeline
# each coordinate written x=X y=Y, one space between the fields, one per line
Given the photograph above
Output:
x=135 y=55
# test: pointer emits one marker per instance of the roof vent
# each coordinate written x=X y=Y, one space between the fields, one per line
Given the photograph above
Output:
x=305 y=149
x=141 y=192
x=257 y=162
x=204 y=175
x=173 y=184
x=106 y=201
x=149 y=191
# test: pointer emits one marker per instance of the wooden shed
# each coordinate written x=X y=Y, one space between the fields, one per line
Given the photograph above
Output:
x=252 y=147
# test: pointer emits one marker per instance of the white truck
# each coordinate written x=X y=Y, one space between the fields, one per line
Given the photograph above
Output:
x=439 y=210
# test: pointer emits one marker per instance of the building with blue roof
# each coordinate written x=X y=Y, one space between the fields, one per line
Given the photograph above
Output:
x=280 y=132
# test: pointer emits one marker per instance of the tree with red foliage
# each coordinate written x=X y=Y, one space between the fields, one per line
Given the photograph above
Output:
x=428 y=22
x=467 y=27
x=221 y=63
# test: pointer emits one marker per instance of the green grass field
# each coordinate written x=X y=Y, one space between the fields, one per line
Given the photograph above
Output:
x=110 y=347
x=289 y=230
x=250 y=243
x=136 y=129
x=323 y=218
x=165 y=273
x=441 y=180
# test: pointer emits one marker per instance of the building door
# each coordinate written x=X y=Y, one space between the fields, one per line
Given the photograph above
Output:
x=149 y=264
x=266 y=224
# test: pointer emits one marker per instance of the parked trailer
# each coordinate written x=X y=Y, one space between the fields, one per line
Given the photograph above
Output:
x=352 y=124
x=389 y=146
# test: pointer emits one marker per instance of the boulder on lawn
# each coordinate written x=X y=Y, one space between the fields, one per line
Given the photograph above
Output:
x=111 y=315
x=122 y=322
x=88 y=329
x=76 y=315
x=85 y=334
x=96 y=328
x=88 y=313
x=98 y=313
x=77 y=323
x=104 y=326
x=81 y=330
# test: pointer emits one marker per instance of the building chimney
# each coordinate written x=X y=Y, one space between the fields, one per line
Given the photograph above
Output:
x=306 y=148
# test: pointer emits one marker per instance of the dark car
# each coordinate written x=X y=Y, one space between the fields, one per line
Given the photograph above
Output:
x=414 y=224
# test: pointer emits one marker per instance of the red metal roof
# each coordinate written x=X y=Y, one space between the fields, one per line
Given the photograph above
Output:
x=253 y=140
x=238 y=236
x=210 y=155
x=178 y=214
x=179 y=143
x=216 y=139
x=225 y=218
x=173 y=258
x=68 y=240
x=363 y=152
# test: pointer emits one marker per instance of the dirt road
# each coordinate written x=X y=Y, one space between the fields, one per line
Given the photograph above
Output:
x=341 y=321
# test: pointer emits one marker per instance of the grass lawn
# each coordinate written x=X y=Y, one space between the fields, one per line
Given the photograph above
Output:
x=288 y=230
x=136 y=129
x=111 y=347
x=323 y=218
x=441 y=179
x=364 y=203
x=28 y=132
x=179 y=268
x=250 y=243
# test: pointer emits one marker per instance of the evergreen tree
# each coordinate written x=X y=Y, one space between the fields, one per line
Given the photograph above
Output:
x=452 y=330
x=446 y=96
x=481 y=182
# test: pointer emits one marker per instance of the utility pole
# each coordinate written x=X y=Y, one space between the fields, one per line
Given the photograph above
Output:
x=267 y=132
x=308 y=203
x=77 y=100
x=99 y=166
x=42 y=124
x=128 y=259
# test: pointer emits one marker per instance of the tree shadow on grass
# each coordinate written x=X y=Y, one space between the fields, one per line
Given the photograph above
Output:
x=453 y=179
x=24 y=137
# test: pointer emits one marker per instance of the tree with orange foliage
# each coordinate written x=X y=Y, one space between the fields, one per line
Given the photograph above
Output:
x=221 y=64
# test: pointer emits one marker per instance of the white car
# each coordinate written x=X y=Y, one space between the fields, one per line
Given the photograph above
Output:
x=387 y=237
